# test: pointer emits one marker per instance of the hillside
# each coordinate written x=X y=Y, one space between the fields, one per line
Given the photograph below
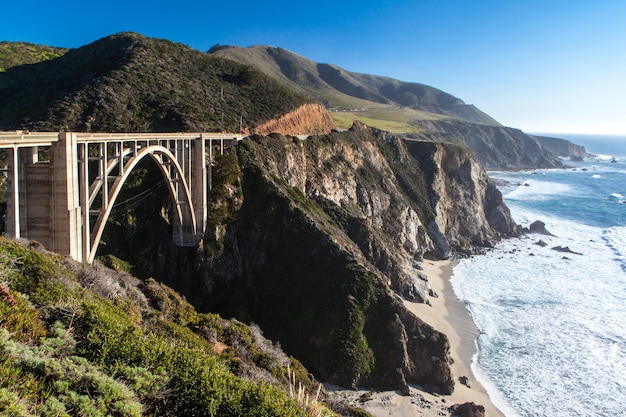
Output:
x=13 y=54
x=90 y=341
x=316 y=240
x=414 y=109
x=341 y=89
x=131 y=83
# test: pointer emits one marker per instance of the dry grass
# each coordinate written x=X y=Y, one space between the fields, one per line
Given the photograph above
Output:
x=310 y=404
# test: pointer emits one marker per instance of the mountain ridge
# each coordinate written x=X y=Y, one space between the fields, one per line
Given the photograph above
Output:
x=131 y=83
x=414 y=109
x=128 y=83
x=323 y=81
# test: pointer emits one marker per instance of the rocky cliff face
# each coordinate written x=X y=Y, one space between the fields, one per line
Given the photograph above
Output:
x=316 y=241
x=561 y=147
x=496 y=147
x=308 y=119
x=327 y=231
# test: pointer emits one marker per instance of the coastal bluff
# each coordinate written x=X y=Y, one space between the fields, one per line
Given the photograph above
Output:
x=317 y=241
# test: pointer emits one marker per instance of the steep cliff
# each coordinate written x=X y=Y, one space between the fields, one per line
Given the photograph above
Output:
x=496 y=147
x=308 y=119
x=329 y=228
x=561 y=147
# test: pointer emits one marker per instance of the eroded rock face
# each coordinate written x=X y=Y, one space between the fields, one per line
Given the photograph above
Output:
x=331 y=227
x=316 y=241
x=469 y=210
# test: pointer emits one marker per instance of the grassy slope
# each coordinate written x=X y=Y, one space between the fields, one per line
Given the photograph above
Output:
x=77 y=340
x=392 y=119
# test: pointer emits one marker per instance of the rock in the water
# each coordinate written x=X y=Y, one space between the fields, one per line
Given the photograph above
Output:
x=565 y=249
x=541 y=243
x=539 y=227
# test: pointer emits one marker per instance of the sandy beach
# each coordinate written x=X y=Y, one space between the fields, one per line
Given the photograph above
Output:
x=448 y=315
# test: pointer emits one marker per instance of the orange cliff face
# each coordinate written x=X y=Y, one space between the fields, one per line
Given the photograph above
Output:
x=308 y=119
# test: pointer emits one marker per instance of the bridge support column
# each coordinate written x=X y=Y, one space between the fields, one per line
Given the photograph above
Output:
x=199 y=195
x=13 y=224
x=65 y=210
x=20 y=162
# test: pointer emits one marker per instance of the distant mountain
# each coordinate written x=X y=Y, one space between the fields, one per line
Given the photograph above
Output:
x=419 y=111
x=128 y=82
x=562 y=147
x=338 y=88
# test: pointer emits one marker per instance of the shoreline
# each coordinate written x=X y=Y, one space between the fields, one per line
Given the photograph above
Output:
x=448 y=315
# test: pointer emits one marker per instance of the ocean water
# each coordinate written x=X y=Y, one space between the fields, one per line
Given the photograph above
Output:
x=553 y=324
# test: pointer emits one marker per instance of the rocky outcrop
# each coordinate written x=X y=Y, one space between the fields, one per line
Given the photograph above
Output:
x=496 y=147
x=539 y=227
x=562 y=148
x=467 y=410
x=308 y=119
x=461 y=190
x=318 y=240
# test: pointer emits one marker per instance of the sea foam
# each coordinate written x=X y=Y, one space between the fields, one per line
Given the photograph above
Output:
x=553 y=323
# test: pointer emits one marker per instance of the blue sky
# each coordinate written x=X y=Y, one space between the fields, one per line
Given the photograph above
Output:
x=541 y=66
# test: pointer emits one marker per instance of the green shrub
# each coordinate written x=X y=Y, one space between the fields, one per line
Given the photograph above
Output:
x=101 y=357
x=66 y=384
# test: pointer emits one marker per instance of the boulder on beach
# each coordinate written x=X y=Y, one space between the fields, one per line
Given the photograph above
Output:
x=467 y=410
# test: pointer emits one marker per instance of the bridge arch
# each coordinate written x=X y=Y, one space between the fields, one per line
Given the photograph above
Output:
x=183 y=218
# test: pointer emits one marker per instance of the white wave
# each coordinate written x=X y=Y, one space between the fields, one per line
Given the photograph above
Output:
x=551 y=327
x=539 y=190
x=615 y=238
x=596 y=176
x=602 y=157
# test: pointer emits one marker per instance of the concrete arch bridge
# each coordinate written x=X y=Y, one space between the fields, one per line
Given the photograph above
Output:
x=65 y=200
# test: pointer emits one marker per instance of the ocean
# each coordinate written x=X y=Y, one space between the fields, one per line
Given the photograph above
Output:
x=553 y=324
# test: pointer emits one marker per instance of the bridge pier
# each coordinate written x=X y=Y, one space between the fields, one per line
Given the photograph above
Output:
x=199 y=186
x=65 y=210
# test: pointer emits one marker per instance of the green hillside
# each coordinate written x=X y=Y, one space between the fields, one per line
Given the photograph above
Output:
x=130 y=83
x=345 y=91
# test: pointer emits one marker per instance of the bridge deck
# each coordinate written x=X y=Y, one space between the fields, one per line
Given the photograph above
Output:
x=20 y=139
x=24 y=138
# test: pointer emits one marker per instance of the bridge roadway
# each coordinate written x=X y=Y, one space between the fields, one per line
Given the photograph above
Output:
x=64 y=200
